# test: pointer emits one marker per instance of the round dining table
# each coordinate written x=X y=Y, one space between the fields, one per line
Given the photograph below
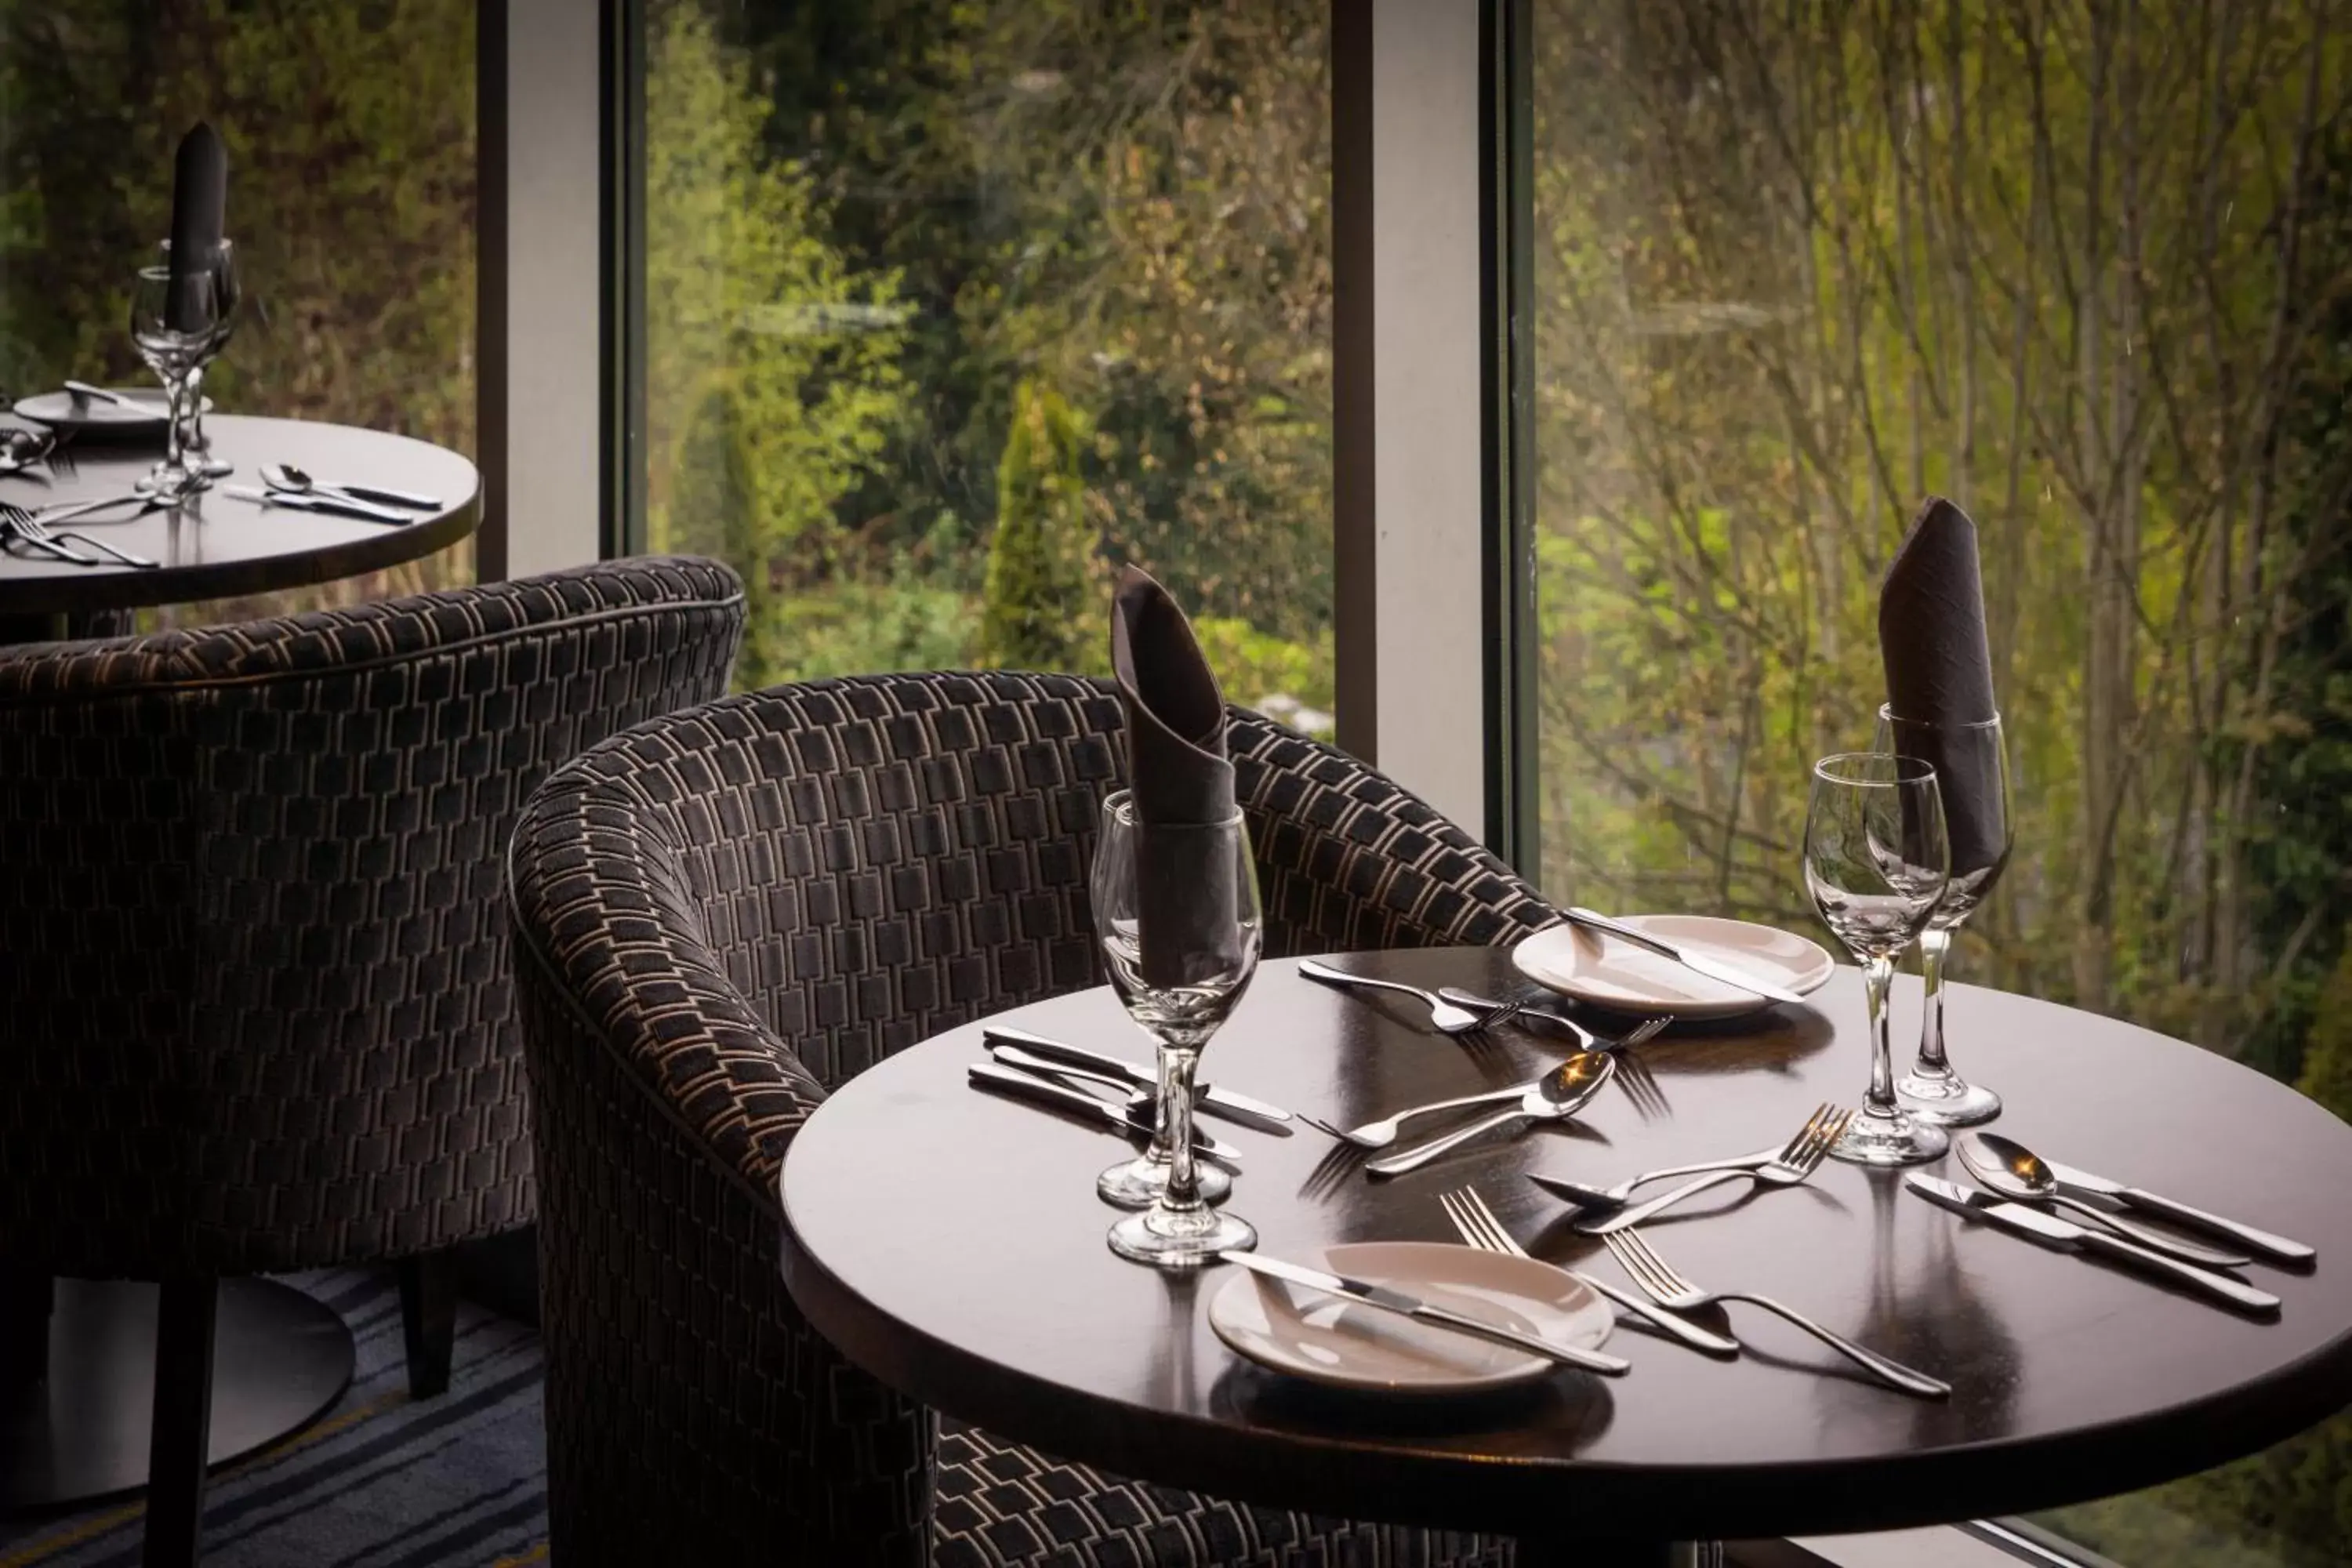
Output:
x=77 y=1356
x=215 y=545
x=949 y=1241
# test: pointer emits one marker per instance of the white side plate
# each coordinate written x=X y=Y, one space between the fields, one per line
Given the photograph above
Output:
x=1610 y=973
x=1329 y=1339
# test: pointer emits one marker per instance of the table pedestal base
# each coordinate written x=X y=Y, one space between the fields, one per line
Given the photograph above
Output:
x=78 y=1430
x=1577 y=1552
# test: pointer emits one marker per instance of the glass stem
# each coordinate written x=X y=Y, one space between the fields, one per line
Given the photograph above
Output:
x=195 y=397
x=1177 y=1065
x=176 y=397
x=1877 y=977
x=1934 y=943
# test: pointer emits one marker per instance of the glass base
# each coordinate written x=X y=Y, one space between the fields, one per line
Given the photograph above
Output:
x=1897 y=1140
x=1136 y=1183
x=1187 y=1240
x=1948 y=1101
x=165 y=482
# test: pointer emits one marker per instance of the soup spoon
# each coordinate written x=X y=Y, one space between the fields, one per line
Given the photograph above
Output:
x=1558 y=1094
x=2011 y=1169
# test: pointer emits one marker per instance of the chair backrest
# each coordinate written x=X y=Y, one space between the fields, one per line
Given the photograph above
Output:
x=721 y=914
x=258 y=1004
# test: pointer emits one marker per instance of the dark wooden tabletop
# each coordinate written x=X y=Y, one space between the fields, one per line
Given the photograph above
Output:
x=951 y=1242
x=216 y=546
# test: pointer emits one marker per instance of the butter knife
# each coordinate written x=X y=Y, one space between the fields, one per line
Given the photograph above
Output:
x=1118 y=1118
x=2274 y=1247
x=1228 y=1103
x=1698 y=962
x=2064 y=1235
x=1413 y=1306
x=339 y=506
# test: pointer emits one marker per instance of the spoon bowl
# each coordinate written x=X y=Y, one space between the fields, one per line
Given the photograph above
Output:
x=1555 y=1097
x=2007 y=1167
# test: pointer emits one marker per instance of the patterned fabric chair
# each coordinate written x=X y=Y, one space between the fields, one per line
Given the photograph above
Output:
x=723 y=914
x=257 y=1001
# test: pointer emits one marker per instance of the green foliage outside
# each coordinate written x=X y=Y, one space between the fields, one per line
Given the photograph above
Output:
x=1043 y=606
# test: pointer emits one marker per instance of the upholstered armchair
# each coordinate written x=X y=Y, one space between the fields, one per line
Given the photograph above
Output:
x=258 y=1006
x=724 y=913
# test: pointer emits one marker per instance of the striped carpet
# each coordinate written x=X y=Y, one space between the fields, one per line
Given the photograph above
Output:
x=459 y=1481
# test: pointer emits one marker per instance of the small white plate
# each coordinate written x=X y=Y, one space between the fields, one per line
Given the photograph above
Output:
x=1343 y=1344
x=1612 y=972
x=96 y=416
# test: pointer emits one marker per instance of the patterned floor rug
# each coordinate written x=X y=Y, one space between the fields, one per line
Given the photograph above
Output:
x=381 y=1481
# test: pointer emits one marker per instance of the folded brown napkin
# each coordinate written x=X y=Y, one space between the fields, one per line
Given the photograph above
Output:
x=1181 y=778
x=1938 y=659
x=199 y=214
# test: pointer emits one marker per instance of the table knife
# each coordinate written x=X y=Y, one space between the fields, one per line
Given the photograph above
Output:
x=388 y=497
x=1404 y=1306
x=1714 y=968
x=2064 y=1235
x=1240 y=1107
x=988 y=1075
x=339 y=506
x=83 y=391
x=2274 y=1247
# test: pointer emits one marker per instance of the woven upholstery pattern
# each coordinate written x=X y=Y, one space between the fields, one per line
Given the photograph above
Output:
x=723 y=914
x=259 y=1005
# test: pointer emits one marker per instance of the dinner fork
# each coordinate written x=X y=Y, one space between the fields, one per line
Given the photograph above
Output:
x=1798 y=1160
x=1476 y=1225
x=1650 y=1272
x=29 y=528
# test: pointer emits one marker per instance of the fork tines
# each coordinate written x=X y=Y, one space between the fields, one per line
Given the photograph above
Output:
x=1650 y=1271
x=1476 y=1223
x=1813 y=1141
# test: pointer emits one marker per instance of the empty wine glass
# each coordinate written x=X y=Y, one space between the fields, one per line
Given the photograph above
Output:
x=1972 y=773
x=230 y=291
x=175 y=322
x=1201 y=963
x=1877 y=861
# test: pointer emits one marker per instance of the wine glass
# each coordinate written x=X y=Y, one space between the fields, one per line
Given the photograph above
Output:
x=1204 y=940
x=1972 y=771
x=1877 y=861
x=174 y=321
x=230 y=292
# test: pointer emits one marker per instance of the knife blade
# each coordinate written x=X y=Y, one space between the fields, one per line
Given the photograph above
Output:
x=2064 y=1235
x=2280 y=1248
x=1698 y=962
x=1007 y=1080
x=1240 y=1107
x=388 y=497
x=1404 y=1306
x=337 y=506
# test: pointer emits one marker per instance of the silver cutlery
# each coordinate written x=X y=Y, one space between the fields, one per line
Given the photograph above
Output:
x=1381 y=1133
x=1558 y=1095
x=2066 y=1236
x=340 y=506
x=1413 y=1306
x=2261 y=1242
x=83 y=391
x=1650 y=1272
x=1601 y=1199
x=2011 y=1170
x=1443 y=1015
x=1121 y=1119
x=1796 y=1161
x=1704 y=964
x=49 y=514
x=13 y=533
x=31 y=529
x=1059 y=1055
x=1477 y=1225
x=1552 y=1022
x=287 y=478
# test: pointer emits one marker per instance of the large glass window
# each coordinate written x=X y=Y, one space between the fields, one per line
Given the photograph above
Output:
x=2083 y=269
x=350 y=130
x=947 y=306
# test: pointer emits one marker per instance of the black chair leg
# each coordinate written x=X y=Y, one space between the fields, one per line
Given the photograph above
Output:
x=428 y=1320
x=183 y=1419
